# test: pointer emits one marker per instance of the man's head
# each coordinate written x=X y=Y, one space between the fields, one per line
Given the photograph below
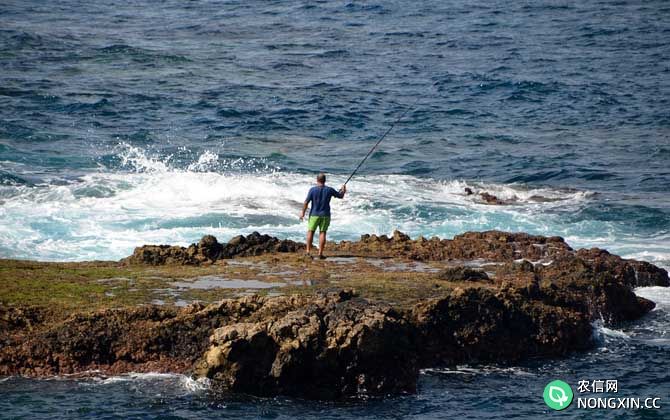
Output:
x=321 y=178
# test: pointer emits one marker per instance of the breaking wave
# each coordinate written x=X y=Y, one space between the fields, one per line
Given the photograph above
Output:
x=171 y=380
x=148 y=199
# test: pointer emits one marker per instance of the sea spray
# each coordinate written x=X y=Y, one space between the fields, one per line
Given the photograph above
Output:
x=149 y=199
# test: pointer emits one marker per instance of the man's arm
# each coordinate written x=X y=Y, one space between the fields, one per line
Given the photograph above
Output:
x=341 y=192
x=305 y=204
x=304 y=209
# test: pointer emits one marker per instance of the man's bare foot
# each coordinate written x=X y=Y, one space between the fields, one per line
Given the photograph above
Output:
x=322 y=257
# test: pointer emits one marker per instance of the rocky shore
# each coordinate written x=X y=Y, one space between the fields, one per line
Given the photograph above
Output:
x=361 y=323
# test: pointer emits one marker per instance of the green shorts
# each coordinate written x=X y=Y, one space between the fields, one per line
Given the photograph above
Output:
x=321 y=222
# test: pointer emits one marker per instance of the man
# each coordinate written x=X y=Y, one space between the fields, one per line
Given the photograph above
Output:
x=319 y=214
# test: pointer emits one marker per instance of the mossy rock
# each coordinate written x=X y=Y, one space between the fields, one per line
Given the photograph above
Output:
x=462 y=273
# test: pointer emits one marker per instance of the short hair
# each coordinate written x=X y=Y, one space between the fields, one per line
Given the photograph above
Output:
x=321 y=178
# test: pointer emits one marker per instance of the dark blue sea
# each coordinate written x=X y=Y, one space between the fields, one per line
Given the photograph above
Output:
x=132 y=122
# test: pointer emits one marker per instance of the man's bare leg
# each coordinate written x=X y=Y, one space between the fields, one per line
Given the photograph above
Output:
x=310 y=238
x=322 y=243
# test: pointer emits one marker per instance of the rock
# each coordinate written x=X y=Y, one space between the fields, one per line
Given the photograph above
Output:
x=26 y=318
x=328 y=349
x=630 y=272
x=480 y=325
x=336 y=345
x=208 y=241
x=523 y=266
x=490 y=245
x=142 y=339
x=573 y=283
x=240 y=359
x=237 y=240
x=208 y=250
x=491 y=199
x=461 y=273
x=398 y=236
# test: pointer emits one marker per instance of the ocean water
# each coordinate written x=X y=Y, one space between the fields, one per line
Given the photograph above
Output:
x=124 y=123
x=635 y=355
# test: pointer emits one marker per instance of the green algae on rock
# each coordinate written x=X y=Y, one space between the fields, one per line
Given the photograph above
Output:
x=482 y=296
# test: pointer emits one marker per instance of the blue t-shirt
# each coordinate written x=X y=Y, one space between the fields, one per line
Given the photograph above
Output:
x=320 y=197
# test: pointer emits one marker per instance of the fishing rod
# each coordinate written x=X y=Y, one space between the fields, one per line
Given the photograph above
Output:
x=382 y=138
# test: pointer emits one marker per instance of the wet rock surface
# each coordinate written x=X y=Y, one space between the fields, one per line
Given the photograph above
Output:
x=539 y=301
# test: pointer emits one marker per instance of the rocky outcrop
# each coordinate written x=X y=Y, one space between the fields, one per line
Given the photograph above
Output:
x=559 y=260
x=508 y=325
x=146 y=338
x=600 y=289
x=493 y=246
x=490 y=246
x=333 y=347
x=539 y=301
x=208 y=250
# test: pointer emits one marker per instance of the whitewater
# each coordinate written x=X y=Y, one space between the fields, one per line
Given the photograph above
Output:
x=148 y=200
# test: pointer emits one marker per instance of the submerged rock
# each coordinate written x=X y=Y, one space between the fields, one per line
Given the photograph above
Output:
x=489 y=198
x=492 y=199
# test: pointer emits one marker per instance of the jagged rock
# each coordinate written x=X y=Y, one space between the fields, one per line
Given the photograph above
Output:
x=630 y=272
x=489 y=198
x=27 y=318
x=237 y=240
x=146 y=338
x=208 y=250
x=398 y=236
x=479 y=324
x=331 y=348
x=489 y=245
x=523 y=266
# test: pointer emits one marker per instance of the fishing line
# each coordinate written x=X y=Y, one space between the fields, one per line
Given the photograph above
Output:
x=409 y=108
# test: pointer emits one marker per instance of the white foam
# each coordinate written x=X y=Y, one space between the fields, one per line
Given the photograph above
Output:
x=194 y=385
x=186 y=383
x=603 y=334
x=657 y=294
x=479 y=370
x=614 y=333
x=514 y=194
x=104 y=215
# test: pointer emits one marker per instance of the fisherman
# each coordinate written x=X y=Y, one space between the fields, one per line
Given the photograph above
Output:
x=319 y=213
